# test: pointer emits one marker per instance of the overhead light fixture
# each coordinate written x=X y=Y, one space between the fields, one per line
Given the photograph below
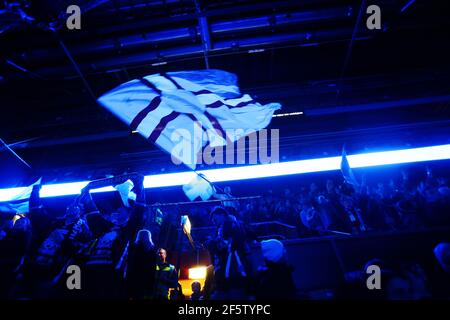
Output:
x=256 y=50
x=159 y=63
x=440 y=152
x=290 y=114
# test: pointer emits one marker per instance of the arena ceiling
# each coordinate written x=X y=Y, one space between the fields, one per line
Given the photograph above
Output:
x=370 y=89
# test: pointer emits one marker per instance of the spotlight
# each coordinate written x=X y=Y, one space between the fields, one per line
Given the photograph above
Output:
x=197 y=273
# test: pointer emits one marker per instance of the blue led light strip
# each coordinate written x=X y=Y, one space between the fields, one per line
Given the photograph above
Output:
x=440 y=152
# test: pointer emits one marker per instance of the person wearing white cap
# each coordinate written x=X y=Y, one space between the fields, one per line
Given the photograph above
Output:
x=274 y=280
x=272 y=250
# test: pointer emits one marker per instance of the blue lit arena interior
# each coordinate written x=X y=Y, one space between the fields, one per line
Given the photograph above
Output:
x=376 y=92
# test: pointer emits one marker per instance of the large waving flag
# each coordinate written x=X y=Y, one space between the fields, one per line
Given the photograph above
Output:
x=182 y=112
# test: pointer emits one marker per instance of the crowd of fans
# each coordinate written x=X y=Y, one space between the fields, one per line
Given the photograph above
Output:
x=119 y=258
x=338 y=206
x=115 y=251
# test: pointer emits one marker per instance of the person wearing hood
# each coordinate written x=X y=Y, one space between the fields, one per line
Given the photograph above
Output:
x=140 y=275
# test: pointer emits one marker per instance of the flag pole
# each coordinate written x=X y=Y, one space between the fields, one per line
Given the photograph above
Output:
x=201 y=175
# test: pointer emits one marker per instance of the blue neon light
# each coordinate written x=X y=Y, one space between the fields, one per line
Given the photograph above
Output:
x=440 y=152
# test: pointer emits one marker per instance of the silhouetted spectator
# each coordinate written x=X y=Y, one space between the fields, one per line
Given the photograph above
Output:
x=196 y=290
x=274 y=280
x=229 y=251
x=140 y=277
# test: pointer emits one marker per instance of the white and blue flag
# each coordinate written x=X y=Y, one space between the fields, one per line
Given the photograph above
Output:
x=188 y=108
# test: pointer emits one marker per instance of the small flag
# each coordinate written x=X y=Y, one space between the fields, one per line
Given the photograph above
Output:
x=198 y=187
x=346 y=170
x=125 y=192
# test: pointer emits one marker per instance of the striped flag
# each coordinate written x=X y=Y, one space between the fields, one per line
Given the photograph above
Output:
x=182 y=112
